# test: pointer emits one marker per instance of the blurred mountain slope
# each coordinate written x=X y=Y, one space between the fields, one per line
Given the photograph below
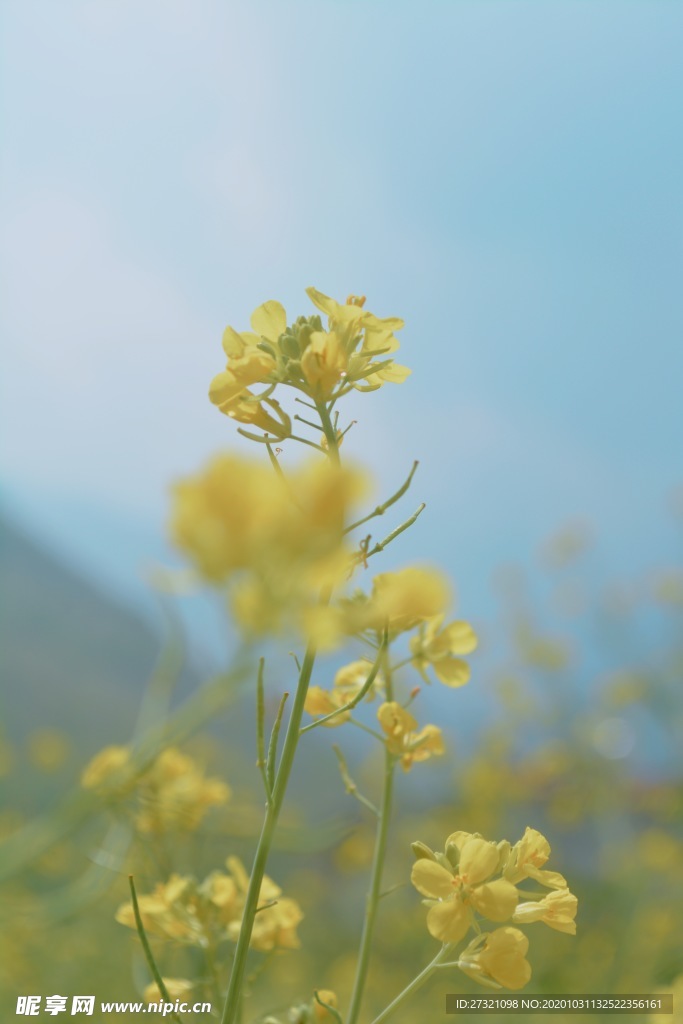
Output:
x=71 y=657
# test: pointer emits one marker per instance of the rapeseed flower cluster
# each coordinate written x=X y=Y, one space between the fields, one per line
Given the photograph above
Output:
x=207 y=913
x=475 y=879
x=320 y=362
x=171 y=794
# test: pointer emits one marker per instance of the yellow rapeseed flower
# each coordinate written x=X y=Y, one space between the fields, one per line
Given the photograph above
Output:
x=174 y=794
x=461 y=891
x=321 y=1015
x=324 y=363
x=401 y=600
x=284 y=541
x=348 y=682
x=107 y=768
x=207 y=913
x=527 y=858
x=403 y=738
x=500 y=961
x=438 y=645
x=557 y=909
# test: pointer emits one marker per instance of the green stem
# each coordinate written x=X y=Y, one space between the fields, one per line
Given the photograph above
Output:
x=147 y=949
x=329 y=431
x=375 y=890
x=230 y=1012
x=414 y=985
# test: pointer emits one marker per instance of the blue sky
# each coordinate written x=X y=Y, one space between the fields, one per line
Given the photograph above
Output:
x=504 y=175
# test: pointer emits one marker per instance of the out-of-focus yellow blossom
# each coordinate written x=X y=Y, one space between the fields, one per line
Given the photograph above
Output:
x=274 y=926
x=48 y=749
x=527 y=858
x=321 y=702
x=557 y=909
x=438 y=645
x=348 y=682
x=401 y=600
x=404 y=740
x=172 y=793
x=459 y=891
x=175 y=794
x=284 y=541
x=207 y=913
x=320 y=1013
x=177 y=988
x=108 y=768
x=501 y=960
x=674 y=988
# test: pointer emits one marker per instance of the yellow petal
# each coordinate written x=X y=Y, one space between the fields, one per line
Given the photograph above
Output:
x=495 y=900
x=323 y=302
x=431 y=879
x=461 y=637
x=449 y=921
x=233 y=344
x=552 y=879
x=224 y=387
x=452 y=672
x=269 y=320
x=395 y=373
x=478 y=860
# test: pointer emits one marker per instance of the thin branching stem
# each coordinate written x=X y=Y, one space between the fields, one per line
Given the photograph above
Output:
x=147 y=949
x=381 y=509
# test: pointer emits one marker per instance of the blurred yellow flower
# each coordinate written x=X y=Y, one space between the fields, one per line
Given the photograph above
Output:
x=48 y=749
x=401 y=600
x=171 y=792
x=462 y=890
x=348 y=682
x=501 y=960
x=207 y=913
x=320 y=1013
x=238 y=517
x=174 y=794
x=557 y=909
x=403 y=738
x=438 y=645
x=177 y=988
x=106 y=767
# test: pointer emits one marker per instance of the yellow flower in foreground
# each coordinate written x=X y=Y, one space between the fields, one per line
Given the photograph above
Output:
x=462 y=890
x=527 y=858
x=177 y=988
x=501 y=960
x=438 y=646
x=277 y=543
x=557 y=909
x=402 y=600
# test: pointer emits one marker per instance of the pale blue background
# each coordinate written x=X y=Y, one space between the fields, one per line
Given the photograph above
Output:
x=504 y=175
